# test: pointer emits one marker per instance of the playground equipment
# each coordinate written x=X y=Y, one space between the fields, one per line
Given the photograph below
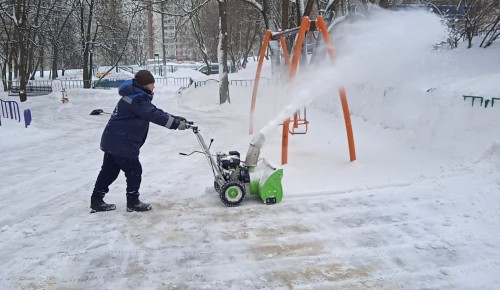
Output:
x=64 y=96
x=27 y=117
x=233 y=179
x=10 y=109
x=306 y=25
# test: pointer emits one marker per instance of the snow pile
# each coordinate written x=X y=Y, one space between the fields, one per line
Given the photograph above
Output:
x=186 y=72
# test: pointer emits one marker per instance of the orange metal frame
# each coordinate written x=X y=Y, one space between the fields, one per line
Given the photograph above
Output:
x=301 y=34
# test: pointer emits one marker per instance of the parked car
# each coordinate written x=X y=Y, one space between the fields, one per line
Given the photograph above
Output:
x=214 y=69
x=113 y=80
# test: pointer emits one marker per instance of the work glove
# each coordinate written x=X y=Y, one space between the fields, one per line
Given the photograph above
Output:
x=182 y=125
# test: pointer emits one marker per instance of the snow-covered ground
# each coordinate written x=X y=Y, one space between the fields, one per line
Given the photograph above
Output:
x=418 y=209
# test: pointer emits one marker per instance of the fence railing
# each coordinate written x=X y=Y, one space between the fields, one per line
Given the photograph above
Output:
x=34 y=87
x=481 y=99
x=47 y=86
x=173 y=81
x=67 y=84
x=10 y=109
x=244 y=83
x=202 y=83
x=249 y=83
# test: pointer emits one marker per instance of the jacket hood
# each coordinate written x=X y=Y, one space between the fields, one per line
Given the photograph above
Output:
x=131 y=87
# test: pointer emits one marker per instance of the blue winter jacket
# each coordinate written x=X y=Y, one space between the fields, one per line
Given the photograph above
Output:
x=128 y=126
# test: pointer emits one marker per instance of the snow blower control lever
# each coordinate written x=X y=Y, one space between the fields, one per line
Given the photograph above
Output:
x=232 y=177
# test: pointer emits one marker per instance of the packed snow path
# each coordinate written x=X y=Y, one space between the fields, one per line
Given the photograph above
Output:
x=401 y=236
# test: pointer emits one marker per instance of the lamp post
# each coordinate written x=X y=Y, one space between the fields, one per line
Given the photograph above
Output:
x=164 y=64
x=89 y=46
x=157 y=60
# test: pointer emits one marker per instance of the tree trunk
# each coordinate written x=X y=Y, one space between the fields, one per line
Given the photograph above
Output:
x=384 y=3
x=10 y=61
x=284 y=14
x=273 y=45
x=40 y=60
x=23 y=74
x=85 y=33
x=54 y=62
x=5 y=65
x=151 y=45
x=4 y=75
x=23 y=40
x=222 y=54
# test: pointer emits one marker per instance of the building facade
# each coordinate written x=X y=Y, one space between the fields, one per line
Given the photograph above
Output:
x=171 y=42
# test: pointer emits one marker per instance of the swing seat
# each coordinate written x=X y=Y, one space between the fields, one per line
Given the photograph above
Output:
x=299 y=125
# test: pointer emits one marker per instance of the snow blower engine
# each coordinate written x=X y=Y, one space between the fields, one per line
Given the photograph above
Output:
x=234 y=179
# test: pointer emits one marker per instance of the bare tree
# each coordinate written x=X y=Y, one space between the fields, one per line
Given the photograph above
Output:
x=105 y=25
x=222 y=53
x=269 y=14
x=59 y=34
x=492 y=30
x=480 y=15
x=26 y=19
x=205 y=28
x=88 y=35
x=8 y=51
x=118 y=38
x=243 y=32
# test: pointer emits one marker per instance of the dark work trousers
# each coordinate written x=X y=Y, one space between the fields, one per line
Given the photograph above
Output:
x=111 y=166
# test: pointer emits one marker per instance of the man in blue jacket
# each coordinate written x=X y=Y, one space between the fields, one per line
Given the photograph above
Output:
x=123 y=137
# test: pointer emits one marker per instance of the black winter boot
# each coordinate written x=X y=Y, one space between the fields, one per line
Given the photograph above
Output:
x=137 y=205
x=97 y=204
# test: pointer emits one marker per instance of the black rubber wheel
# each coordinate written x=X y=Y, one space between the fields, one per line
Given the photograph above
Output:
x=232 y=193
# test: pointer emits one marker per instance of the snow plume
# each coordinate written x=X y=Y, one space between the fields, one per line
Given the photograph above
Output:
x=380 y=47
x=384 y=46
x=299 y=93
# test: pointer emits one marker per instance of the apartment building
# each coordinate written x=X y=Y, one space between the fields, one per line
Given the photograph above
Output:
x=170 y=42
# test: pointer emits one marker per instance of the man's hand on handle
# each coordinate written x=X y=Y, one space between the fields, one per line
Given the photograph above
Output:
x=184 y=124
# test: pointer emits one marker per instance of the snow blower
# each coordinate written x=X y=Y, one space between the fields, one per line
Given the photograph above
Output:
x=234 y=178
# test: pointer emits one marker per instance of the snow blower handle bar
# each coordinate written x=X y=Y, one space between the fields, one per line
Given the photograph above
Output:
x=205 y=150
x=190 y=125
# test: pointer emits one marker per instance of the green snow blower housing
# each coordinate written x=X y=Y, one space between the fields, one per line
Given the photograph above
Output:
x=268 y=187
x=266 y=178
x=234 y=179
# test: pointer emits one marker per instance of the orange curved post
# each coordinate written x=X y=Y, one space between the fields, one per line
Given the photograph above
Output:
x=285 y=50
x=284 y=142
x=320 y=22
x=343 y=96
x=348 y=124
x=304 y=27
x=267 y=38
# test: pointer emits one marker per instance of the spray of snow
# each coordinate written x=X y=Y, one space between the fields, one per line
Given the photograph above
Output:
x=381 y=47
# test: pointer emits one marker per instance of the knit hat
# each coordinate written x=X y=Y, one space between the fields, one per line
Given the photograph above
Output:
x=144 y=77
